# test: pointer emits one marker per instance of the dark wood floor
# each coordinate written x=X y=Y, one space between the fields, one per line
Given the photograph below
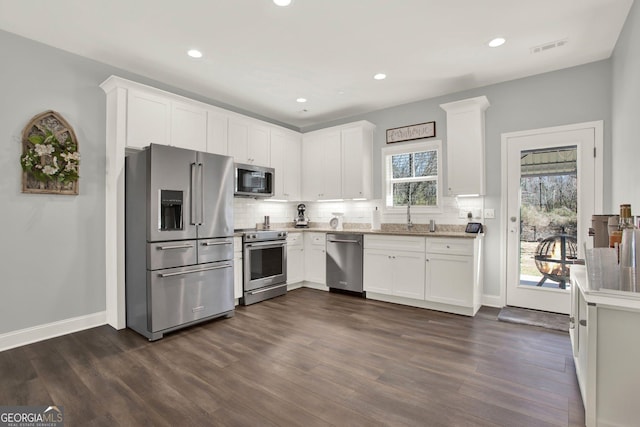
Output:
x=309 y=358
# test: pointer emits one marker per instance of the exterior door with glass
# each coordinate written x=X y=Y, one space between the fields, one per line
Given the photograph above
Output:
x=551 y=181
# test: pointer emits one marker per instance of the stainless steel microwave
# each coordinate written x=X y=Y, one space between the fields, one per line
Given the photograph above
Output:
x=253 y=181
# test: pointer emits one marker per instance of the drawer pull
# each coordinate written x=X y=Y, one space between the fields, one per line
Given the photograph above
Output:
x=216 y=243
x=583 y=322
x=164 y=248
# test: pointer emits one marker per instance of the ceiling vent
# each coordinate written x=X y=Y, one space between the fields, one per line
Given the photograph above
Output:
x=548 y=46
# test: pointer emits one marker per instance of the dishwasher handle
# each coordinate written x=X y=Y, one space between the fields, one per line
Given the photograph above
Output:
x=344 y=241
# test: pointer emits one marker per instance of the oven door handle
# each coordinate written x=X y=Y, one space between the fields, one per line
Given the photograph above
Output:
x=271 y=244
x=270 y=288
x=199 y=270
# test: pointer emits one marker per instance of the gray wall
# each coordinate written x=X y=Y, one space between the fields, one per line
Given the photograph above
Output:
x=626 y=115
x=573 y=95
x=52 y=247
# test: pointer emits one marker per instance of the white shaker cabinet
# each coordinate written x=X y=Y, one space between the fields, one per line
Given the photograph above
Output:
x=315 y=257
x=394 y=265
x=322 y=168
x=286 y=155
x=217 y=124
x=465 y=146
x=248 y=142
x=188 y=126
x=604 y=329
x=148 y=119
x=449 y=271
x=295 y=258
x=357 y=161
x=337 y=162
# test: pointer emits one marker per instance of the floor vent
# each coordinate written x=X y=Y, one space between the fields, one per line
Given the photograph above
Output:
x=548 y=46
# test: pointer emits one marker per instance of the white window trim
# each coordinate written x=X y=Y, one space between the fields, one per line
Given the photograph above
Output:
x=399 y=148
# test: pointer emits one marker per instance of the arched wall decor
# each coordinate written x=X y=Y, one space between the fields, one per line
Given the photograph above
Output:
x=50 y=156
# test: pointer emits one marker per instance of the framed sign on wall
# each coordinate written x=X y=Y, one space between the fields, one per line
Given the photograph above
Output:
x=409 y=133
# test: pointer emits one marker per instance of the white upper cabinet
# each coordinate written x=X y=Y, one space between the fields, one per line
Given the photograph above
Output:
x=336 y=162
x=188 y=126
x=248 y=142
x=465 y=146
x=321 y=165
x=357 y=161
x=217 y=123
x=148 y=119
x=285 y=159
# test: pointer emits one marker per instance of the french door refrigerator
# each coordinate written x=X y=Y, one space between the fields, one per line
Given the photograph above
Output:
x=179 y=238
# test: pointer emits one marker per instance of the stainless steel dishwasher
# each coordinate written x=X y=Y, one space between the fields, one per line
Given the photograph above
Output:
x=344 y=262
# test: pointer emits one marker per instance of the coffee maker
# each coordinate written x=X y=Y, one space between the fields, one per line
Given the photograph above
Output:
x=301 y=220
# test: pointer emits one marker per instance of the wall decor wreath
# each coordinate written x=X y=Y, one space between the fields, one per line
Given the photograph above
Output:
x=50 y=159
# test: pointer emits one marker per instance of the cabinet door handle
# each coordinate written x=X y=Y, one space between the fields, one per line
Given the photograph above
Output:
x=427 y=259
x=583 y=322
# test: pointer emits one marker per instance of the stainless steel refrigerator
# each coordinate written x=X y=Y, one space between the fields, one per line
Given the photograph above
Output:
x=179 y=238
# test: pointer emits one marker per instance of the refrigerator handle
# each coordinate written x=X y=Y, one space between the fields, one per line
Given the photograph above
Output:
x=201 y=194
x=192 y=214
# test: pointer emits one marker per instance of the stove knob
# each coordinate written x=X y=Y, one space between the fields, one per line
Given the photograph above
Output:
x=252 y=236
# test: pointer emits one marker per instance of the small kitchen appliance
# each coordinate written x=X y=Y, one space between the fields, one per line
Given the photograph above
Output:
x=337 y=221
x=301 y=220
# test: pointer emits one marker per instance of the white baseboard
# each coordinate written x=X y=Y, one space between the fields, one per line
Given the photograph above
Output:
x=51 y=330
x=492 y=301
x=314 y=285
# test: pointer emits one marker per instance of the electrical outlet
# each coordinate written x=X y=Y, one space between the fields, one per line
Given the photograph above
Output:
x=489 y=213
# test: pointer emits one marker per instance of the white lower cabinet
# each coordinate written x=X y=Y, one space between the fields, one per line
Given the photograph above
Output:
x=604 y=328
x=237 y=267
x=394 y=265
x=437 y=273
x=315 y=257
x=449 y=271
x=295 y=258
x=394 y=272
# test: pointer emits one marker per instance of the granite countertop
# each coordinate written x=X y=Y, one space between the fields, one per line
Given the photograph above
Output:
x=442 y=230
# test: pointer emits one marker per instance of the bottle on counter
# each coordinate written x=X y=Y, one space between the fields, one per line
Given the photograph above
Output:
x=625 y=222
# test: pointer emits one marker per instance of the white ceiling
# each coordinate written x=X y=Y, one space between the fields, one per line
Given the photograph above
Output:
x=260 y=57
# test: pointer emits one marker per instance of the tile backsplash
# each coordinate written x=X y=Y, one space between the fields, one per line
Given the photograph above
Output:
x=249 y=212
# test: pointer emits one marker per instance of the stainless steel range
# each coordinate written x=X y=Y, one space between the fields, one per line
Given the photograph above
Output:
x=264 y=265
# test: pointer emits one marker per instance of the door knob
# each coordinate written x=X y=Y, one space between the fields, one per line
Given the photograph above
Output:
x=513 y=218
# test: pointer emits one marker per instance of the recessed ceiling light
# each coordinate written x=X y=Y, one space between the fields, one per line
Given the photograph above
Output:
x=380 y=76
x=498 y=41
x=301 y=100
x=282 y=2
x=194 y=53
